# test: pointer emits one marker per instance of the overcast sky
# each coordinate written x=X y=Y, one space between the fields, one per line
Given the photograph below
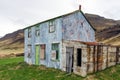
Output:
x=18 y=14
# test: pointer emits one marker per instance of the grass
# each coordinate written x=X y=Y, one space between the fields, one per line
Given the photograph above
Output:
x=16 y=69
x=112 y=73
x=11 y=60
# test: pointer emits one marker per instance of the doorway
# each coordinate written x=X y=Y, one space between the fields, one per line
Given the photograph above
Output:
x=69 y=59
x=37 y=51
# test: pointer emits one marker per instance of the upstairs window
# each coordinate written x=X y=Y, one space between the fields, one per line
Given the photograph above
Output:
x=51 y=26
x=29 y=32
x=55 y=51
x=37 y=30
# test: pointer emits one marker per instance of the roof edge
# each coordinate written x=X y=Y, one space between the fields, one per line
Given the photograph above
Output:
x=63 y=16
x=88 y=21
x=53 y=18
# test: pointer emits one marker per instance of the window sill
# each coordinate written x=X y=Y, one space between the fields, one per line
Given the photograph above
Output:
x=55 y=60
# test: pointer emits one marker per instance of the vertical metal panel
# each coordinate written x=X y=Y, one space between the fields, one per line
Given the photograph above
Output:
x=88 y=57
x=107 y=58
x=99 y=57
x=94 y=58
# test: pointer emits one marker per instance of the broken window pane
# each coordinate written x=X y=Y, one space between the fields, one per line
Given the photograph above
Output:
x=55 y=51
x=37 y=30
x=29 y=51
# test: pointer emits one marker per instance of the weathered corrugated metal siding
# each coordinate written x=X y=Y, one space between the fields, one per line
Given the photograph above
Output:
x=76 y=27
x=44 y=38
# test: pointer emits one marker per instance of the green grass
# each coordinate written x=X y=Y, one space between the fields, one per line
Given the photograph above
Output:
x=11 y=60
x=16 y=69
x=26 y=72
x=112 y=73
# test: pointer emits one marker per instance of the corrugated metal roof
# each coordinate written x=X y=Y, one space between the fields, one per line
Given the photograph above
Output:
x=87 y=43
x=91 y=43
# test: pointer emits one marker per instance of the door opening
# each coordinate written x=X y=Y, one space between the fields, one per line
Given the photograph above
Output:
x=69 y=59
x=79 y=57
x=37 y=51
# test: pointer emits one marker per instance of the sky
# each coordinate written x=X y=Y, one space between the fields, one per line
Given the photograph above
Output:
x=18 y=14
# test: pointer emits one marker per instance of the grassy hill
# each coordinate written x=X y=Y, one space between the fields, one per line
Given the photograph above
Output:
x=109 y=35
x=113 y=40
x=12 y=43
x=100 y=23
x=16 y=69
x=107 y=30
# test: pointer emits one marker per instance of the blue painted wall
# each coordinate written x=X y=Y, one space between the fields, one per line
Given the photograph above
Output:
x=69 y=27
x=46 y=38
x=76 y=27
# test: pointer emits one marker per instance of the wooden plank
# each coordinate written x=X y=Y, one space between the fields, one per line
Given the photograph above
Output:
x=94 y=58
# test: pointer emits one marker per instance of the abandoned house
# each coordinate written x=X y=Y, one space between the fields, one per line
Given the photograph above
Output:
x=67 y=42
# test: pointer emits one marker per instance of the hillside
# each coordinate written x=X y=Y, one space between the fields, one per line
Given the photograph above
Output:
x=12 y=43
x=107 y=31
x=109 y=35
x=100 y=23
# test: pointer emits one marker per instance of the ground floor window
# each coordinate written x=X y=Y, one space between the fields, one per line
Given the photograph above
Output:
x=29 y=51
x=42 y=51
x=55 y=51
x=79 y=56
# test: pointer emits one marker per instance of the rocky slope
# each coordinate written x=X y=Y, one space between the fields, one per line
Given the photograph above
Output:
x=107 y=30
x=100 y=23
